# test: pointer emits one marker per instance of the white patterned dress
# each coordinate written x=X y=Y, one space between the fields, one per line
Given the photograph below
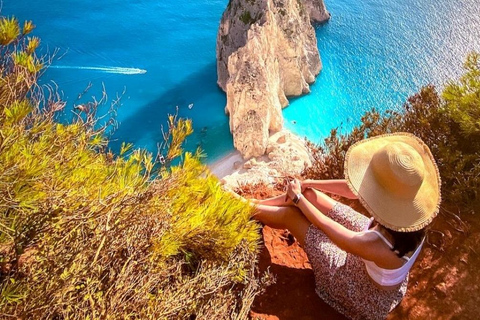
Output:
x=341 y=278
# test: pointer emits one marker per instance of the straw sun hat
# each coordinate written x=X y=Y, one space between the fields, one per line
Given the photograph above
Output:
x=396 y=179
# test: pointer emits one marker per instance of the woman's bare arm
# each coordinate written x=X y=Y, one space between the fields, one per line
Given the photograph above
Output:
x=338 y=187
x=358 y=243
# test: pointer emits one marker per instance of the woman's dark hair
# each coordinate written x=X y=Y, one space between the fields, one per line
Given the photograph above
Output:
x=405 y=242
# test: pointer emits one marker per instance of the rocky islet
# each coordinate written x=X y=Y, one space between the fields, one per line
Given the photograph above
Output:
x=266 y=52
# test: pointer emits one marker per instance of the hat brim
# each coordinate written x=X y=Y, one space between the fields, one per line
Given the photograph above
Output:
x=399 y=214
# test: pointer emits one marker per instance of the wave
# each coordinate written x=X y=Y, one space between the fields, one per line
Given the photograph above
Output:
x=118 y=70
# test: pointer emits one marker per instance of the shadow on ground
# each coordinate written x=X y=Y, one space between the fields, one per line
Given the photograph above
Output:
x=292 y=296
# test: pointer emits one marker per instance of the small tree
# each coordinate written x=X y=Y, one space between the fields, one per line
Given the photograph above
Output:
x=462 y=98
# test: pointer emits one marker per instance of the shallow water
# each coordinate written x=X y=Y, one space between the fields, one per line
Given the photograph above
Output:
x=162 y=53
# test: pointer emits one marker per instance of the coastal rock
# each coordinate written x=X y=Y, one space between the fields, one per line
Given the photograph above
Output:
x=288 y=153
x=317 y=10
x=266 y=51
x=287 y=156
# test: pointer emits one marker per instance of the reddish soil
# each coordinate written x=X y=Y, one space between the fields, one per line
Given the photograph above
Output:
x=444 y=282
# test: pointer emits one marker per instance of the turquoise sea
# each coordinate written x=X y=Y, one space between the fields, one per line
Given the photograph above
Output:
x=161 y=54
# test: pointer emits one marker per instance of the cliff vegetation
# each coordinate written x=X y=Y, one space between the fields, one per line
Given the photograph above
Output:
x=85 y=234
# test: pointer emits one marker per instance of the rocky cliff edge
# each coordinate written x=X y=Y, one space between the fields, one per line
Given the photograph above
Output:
x=266 y=51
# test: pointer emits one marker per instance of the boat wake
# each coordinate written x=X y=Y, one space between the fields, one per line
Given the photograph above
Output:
x=117 y=70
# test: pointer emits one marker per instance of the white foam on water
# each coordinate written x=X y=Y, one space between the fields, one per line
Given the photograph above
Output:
x=117 y=70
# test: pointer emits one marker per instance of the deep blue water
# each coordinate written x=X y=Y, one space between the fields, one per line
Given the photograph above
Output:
x=375 y=53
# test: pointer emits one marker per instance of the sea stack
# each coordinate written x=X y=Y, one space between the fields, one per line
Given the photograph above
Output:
x=266 y=51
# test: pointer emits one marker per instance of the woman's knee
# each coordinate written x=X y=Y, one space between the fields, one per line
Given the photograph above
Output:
x=297 y=224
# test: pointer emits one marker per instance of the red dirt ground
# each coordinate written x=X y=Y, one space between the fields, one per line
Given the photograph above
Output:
x=444 y=282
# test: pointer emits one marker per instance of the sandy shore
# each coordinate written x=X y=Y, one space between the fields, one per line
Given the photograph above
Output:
x=229 y=164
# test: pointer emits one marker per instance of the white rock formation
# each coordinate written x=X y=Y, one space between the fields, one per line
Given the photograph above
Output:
x=266 y=50
x=317 y=10
x=286 y=155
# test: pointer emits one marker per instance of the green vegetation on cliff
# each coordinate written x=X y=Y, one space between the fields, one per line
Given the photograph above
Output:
x=85 y=234
x=462 y=99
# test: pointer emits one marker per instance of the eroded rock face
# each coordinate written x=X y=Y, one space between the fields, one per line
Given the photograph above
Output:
x=317 y=10
x=266 y=51
x=286 y=154
x=254 y=95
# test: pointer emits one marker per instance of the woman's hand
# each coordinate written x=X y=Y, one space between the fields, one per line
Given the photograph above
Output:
x=293 y=188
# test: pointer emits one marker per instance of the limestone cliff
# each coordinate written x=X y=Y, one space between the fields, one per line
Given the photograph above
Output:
x=266 y=51
x=286 y=154
x=317 y=10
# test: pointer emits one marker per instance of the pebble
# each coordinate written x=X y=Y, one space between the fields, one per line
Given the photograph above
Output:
x=441 y=289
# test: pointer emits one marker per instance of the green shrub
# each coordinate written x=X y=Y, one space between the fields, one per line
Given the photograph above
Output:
x=445 y=123
x=246 y=18
x=462 y=98
x=85 y=234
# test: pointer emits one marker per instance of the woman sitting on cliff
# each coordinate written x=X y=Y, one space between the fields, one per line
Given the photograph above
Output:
x=361 y=265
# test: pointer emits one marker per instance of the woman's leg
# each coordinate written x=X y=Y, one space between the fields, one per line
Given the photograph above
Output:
x=274 y=201
x=320 y=200
x=277 y=213
x=280 y=214
x=287 y=217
